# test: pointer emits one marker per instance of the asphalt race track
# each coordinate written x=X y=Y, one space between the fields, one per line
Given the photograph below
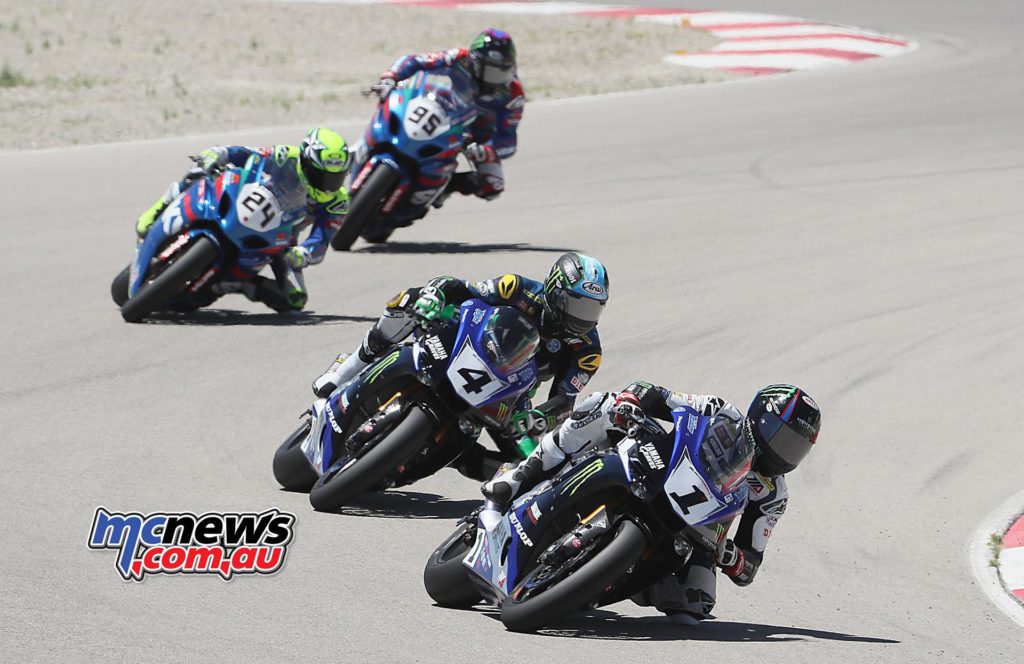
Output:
x=856 y=231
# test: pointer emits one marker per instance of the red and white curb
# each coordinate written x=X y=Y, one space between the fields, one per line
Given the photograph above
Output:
x=751 y=43
x=1002 y=579
x=1011 y=559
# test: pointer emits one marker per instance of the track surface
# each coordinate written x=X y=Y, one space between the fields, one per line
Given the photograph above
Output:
x=855 y=231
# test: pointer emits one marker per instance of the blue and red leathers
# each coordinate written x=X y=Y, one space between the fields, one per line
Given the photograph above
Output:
x=499 y=110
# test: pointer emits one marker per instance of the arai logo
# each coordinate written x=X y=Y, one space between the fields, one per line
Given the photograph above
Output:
x=593 y=288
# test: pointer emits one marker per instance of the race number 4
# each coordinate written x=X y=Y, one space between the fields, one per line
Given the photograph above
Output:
x=476 y=380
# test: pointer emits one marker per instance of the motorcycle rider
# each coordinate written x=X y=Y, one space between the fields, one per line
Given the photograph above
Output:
x=484 y=74
x=781 y=427
x=308 y=181
x=565 y=307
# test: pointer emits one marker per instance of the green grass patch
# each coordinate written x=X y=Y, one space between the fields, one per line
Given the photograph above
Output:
x=995 y=545
x=10 y=78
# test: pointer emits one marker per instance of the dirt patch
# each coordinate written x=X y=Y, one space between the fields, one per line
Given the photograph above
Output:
x=92 y=71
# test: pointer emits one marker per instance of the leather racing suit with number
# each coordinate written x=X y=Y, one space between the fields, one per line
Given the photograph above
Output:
x=498 y=112
x=568 y=361
x=692 y=589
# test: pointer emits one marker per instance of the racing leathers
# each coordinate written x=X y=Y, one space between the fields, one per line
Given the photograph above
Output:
x=492 y=135
x=597 y=422
x=287 y=291
x=568 y=361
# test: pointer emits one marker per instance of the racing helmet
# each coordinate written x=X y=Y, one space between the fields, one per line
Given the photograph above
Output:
x=575 y=292
x=782 y=423
x=494 y=59
x=510 y=339
x=323 y=163
x=725 y=452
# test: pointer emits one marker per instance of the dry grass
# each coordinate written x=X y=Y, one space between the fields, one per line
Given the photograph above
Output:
x=105 y=70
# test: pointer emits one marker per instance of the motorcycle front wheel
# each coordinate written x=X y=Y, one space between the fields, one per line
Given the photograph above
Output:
x=364 y=203
x=186 y=268
x=349 y=477
x=584 y=585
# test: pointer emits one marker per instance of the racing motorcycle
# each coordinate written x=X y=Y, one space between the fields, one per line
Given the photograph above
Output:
x=414 y=410
x=407 y=157
x=230 y=218
x=602 y=530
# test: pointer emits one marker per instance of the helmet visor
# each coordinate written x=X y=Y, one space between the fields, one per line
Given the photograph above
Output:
x=493 y=74
x=323 y=180
x=725 y=454
x=579 y=314
x=785 y=442
x=510 y=340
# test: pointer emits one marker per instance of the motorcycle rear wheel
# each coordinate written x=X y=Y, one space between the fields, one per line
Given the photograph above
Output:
x=445 y=577
x=342 y=483
x=581 y=587
x=364 y=203
x=188 y=267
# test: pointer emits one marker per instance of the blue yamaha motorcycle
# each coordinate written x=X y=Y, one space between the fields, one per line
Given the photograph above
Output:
x=604 y=529
x=227 y=220
x=414 y=410
x=409 y=154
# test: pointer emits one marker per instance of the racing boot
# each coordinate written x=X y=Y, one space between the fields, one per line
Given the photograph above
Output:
x=329 y=380
x=542 y=462
x=466 y=183
x=149 y=217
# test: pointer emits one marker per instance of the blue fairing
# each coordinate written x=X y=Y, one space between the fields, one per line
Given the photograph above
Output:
x=688 y=441
x=473 y=315
x=425 y=161
x=209 y=207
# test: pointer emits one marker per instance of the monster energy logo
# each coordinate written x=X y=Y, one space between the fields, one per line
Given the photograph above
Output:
x=556 y=276
x=778 y=390
x=379 y=368
x=591 y=469
x=502 y=410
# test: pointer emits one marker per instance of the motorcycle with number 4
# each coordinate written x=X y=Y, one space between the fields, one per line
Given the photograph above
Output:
x=415 y=409
x=228 y=219
x=607 y=527
x=406 y=158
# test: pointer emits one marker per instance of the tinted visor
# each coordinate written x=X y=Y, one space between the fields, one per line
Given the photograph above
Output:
x=323 y=180
x=579 y=314
x=786 y=443
x=510 y=339
x=493 y=74
x=725 y=454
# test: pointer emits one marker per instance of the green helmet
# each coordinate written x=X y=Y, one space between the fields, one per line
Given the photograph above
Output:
x=323 y=163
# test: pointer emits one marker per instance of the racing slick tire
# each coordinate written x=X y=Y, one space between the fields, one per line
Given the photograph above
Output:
x=364 y=203
x=344 y=481
x=189 y=266
x=119 y=286
x=445 y=577
x=291 y=467
x=581 y=587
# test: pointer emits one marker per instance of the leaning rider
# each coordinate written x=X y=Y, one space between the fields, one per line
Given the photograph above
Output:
x=484 y=74
x=565 y=307
x=780 y=427
x=308 y=181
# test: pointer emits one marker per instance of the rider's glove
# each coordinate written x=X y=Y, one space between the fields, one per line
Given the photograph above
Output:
x=480 y=154
x=531 y=422
x=626 y=411
x=384 y=86
x=211 y=158
x=430 y=304
x=297 y=257
x=735 y=565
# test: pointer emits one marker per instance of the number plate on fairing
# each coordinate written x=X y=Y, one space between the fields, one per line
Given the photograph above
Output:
x=425 y=119
x=258 y=208
x=471 y=378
